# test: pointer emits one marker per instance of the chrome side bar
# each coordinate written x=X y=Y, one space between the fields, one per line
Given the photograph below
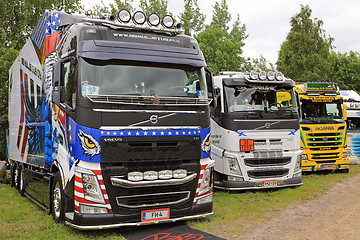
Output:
x=119 y=182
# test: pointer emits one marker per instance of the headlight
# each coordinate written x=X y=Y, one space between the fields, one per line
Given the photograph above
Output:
x=92 y=190
x=86 y=209
x=341 y=128
x=298 y=163
x=167 y=21
x=139 y=18
x=233 y=165
x=304 y=157
x=206 y=181
x=124 y=16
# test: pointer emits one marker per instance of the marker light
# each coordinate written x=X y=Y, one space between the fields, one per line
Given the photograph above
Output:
x=253 y=75
x=279 y=76
x=150 y=175
x=271 y=76
x=167 y=21
x=262 y=75
x=180 y=173
x=154 y=19
x=135 y=176
x=165 y=174
x=139 y=17
x=124 y=16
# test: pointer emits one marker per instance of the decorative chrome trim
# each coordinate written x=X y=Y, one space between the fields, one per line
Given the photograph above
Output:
x=145 y=111
x=148 y=100
x=155 y=204
x=137 y=223
x=118 y=128
x=119 y=182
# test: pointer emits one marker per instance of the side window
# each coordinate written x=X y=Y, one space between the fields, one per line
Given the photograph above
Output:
x=68 y=84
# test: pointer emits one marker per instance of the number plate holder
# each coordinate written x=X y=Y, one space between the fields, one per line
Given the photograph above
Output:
x=155 y=214
x=269 y=183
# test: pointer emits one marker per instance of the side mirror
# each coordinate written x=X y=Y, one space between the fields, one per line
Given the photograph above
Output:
x=344 y=111
x=211 y=89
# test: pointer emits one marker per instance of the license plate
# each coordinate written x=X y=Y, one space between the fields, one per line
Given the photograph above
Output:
x=156 y=214
x=246 y=145
x=269 y=183
x=327 y=166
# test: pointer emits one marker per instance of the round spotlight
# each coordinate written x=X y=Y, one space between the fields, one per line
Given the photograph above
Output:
x=262 y=75
x=154 y=19
x=167 y=21
x=271 y=76
x=253 y=75
x=139 y=17
x=279 y=76
x=124 y=16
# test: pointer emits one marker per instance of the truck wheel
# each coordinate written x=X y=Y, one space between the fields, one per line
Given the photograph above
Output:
x=21 y=180
x=57 y=199
x=15 y=175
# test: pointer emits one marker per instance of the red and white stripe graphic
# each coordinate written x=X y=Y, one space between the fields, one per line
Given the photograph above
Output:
x=202 y=170
x=79 y=196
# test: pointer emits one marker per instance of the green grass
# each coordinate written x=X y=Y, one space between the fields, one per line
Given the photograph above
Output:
x=234 y=214
x=237 y=213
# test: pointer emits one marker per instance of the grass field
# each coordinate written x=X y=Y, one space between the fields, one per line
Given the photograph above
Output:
x=234 y=214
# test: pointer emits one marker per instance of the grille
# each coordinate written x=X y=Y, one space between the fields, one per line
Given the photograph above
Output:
x=324 y=144
x=324 y=134
x=131 y=150
x=254 y=162
x=325 y=156
x=149 y=200
x=327 y=148
x=331 y=161
x=268 y=173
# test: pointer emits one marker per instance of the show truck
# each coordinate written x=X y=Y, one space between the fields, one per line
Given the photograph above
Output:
x=323 y=127
x=110 y=120
x=255 y=131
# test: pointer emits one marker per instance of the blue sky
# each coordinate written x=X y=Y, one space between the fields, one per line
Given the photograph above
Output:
x=268 y=22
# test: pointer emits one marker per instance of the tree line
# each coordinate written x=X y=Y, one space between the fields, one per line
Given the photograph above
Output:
x=307 y=53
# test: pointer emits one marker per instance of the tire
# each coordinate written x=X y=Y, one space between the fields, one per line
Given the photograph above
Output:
x=15 y=175
x=57 y=196
x=22 y=180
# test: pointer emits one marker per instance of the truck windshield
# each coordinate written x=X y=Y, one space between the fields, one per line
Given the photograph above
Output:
x=142 y=79
x=321 y=112
x=261 y=100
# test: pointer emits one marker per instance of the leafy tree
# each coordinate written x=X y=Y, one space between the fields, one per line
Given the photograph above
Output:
x=192 y=19
x=346 y=70
x=304 y=55
x=261 y=64
x=7 y=57
x=19 y=17
x=160 y=7
x=223 y=49
x=122 y=4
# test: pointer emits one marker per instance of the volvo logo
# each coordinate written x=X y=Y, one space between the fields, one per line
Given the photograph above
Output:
x=154 y=119
x=267 y=125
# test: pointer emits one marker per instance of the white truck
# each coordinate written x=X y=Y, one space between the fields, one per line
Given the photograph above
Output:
x=255 y=131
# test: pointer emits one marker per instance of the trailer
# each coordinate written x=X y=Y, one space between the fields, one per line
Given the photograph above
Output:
x=255 y=131
x=110 y=121
x=323 y=127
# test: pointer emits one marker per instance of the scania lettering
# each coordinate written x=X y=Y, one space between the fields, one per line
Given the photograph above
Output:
x=110 y=121
x=323 y=127
x=255 y=132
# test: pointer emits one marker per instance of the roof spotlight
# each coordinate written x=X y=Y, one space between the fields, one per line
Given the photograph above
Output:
x=139 y=17
x=124 y=16
x=262 y=75
x=271 y=76
x=167 y=21
x=279 y=76
x=154 y=19
x=253 y=75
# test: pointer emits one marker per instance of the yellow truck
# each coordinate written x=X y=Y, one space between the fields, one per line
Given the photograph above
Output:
x=323 y=127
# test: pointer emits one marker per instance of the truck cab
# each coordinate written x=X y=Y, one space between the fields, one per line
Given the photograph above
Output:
x=255 y=131
x=323 y=127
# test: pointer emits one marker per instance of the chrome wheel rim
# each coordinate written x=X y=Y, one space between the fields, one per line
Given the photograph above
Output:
x=57 y=200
